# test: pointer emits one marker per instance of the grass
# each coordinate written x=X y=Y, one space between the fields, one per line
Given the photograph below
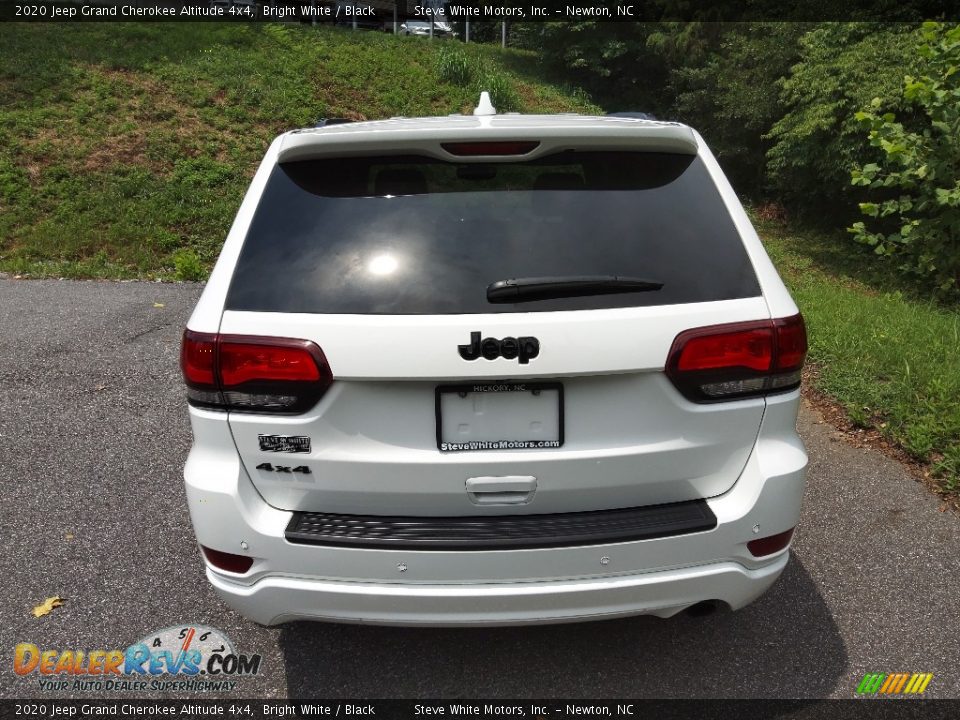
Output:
x=125 y=149
x=888 y=356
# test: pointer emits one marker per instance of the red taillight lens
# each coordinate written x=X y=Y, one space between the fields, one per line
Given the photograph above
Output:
x=242 y=362
x=253 y=374
x=748 y=348
x=770 y=545
x=197 y=359
x=791 y=343
x=738 y=360
x=227 y=561
x=490 y=149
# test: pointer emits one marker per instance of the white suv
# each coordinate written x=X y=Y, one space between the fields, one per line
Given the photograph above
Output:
x=492 y=370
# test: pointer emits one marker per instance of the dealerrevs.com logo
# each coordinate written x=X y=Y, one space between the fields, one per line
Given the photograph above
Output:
x=185 y=658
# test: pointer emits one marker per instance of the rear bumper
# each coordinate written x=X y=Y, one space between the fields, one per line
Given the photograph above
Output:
x=660 y=576
x=274 y=600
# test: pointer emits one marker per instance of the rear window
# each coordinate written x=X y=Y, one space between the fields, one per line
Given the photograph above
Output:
x=413 y=235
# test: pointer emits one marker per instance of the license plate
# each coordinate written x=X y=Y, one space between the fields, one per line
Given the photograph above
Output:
x=499 y=416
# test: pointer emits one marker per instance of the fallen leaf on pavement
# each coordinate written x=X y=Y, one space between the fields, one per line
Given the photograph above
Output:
x=47 y=605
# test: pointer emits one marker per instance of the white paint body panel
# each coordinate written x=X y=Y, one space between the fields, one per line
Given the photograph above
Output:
x=631 y=438
x=661 y=577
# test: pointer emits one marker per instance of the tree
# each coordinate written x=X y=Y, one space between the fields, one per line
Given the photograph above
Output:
x=916 y=214
x=842 y=67
x=730 y=95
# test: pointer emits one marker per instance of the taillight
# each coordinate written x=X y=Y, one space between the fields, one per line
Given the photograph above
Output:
x=791 y=343
x=738 y=360
x=490 y=148
x=253 y=374
x=197 y=358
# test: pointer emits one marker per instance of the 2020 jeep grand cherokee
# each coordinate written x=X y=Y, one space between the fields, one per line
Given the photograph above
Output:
x=491 y=370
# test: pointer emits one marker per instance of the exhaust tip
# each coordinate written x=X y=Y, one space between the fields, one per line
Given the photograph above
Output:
x=703 y=608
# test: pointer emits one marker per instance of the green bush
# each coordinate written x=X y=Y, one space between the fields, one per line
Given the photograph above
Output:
x=842 y=67
x=730 y=98
x=623 y=66
x=453 y=66
x=187 y=266
x=915 y=208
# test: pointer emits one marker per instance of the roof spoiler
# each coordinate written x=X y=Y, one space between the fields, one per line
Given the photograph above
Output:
x=427 y=136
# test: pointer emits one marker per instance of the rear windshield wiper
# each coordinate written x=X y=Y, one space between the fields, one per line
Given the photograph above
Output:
x=517 y=290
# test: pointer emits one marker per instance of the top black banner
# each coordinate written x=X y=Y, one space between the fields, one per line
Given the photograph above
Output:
x=359 y=13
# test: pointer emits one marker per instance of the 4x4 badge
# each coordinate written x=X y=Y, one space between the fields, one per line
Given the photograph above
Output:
x=523 y=348
x=270 y=467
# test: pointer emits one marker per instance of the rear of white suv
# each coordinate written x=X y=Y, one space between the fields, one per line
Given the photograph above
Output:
x=492 y=370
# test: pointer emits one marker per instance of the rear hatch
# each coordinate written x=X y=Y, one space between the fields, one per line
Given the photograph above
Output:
x=446 y=403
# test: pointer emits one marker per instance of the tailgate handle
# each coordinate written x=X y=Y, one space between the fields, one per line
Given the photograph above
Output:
x=501 y=490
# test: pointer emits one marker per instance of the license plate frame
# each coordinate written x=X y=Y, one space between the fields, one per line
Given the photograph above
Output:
x=501 y=386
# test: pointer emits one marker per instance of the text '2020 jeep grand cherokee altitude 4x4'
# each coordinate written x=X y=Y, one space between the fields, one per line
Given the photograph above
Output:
x=491 y=370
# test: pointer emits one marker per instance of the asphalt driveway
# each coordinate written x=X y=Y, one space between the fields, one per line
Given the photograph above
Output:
x=93 y=435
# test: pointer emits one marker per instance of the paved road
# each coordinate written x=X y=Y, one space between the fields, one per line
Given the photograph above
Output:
x=93 y=434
